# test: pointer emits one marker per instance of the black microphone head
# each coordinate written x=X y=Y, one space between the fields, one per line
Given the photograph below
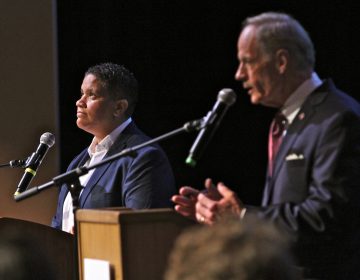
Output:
x=227 y=96
x=48 y=139
x=225 y=99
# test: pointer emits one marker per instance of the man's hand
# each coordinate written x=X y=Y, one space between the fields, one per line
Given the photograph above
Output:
x=187 y=199
x=209 y=210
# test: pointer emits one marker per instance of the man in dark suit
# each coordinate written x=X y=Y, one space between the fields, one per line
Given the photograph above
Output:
x=145 y=180
x=312 y=190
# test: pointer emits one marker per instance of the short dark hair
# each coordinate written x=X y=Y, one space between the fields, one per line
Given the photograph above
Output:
x=118 y=81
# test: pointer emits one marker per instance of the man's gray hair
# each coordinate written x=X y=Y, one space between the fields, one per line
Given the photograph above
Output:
x=281 y=31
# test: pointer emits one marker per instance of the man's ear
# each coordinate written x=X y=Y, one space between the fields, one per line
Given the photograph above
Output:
x=121 y=107
x=282 y=60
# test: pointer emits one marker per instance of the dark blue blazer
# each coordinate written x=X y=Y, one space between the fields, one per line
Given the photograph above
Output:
x=314 y=193
x=143 y=181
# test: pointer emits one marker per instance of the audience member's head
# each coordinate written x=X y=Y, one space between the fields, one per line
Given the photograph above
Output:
x=246 y=250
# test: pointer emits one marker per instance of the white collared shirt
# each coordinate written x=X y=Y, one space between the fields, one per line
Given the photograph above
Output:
x=296 y=99
x=96 y=151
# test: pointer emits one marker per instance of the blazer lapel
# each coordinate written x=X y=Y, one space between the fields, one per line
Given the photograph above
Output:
x=81 y=160
x=301 y=120
x=119 y=144
x=292 y=133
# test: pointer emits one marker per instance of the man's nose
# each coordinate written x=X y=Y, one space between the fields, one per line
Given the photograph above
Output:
x=240 y=74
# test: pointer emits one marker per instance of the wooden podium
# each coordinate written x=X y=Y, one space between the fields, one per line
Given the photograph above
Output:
x=136 y=243
x=56 y=245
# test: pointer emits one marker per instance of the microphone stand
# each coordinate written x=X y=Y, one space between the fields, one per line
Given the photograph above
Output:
x=75 y=188
x=71 y=178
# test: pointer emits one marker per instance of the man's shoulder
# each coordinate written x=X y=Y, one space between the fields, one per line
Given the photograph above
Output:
x=329 y=98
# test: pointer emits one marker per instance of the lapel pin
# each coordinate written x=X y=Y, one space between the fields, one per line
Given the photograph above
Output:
x=301 y=116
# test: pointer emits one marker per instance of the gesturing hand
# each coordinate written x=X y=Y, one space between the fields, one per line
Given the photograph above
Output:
x=186 y=199
x=210 y=209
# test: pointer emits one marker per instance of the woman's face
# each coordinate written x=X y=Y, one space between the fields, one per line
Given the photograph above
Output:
x=95 y=108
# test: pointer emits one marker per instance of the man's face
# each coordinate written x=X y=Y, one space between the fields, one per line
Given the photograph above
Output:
x=95 y=108
x=257 y=70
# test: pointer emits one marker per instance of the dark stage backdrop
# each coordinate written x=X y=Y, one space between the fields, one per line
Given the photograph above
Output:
x=182 y=53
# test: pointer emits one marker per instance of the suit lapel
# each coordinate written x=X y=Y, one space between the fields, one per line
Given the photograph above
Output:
x=80 y=161
x=301 y=120
x=294 y=130
x=119 y=144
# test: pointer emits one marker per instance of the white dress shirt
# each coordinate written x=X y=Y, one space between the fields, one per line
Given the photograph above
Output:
x=293 y=104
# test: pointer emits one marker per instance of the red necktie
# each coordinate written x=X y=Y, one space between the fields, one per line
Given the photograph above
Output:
x=277 y=130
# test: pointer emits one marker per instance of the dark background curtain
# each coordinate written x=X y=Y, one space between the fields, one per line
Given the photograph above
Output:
x=182 y=53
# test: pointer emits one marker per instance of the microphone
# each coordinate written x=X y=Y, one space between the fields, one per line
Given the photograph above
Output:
x=225 y=99
x=47 y=140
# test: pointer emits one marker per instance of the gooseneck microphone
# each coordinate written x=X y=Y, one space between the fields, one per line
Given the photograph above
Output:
x=225 y=99
x=47 y=140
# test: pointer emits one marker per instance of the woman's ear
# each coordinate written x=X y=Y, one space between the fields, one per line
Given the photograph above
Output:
x=282 y=60
x=121 y=106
